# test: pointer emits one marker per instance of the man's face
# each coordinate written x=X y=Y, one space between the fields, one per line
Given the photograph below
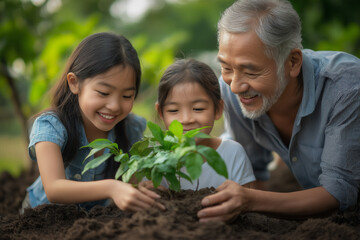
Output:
x=251 y=75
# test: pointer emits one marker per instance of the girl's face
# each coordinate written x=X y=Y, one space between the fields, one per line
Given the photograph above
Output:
x=105 y=99
x=189 y=103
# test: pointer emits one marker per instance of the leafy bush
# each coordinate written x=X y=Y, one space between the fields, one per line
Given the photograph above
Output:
x=163 y=154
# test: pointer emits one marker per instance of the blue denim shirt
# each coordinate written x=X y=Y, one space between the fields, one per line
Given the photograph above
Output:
x=48 y=127
x=325 y=144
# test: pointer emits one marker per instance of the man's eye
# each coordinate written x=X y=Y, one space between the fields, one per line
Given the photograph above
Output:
x=103 y=93
x=252 y=75
x=225 y=69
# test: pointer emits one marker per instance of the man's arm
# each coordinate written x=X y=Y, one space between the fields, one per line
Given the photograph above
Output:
x=233 y=199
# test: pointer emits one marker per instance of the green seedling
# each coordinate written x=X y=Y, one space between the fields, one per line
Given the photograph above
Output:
x=163 y=154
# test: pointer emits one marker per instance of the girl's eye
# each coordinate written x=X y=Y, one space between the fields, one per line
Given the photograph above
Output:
x=172 y=110
x=199 y=109
x=128 y=96
x=102 y=93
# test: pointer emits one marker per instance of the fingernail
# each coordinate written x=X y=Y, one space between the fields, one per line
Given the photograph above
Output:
x=201 y=214
x=205 y=201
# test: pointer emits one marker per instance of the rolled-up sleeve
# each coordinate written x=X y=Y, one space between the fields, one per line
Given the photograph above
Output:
x=340 y=161
x=47 y=128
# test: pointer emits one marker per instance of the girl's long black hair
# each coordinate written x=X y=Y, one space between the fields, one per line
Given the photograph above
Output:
x=96 y=54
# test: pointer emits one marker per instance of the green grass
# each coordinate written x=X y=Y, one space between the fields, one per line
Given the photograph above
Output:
x=13 y=154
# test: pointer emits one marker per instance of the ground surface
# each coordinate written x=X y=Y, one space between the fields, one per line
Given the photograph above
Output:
x=178 y=222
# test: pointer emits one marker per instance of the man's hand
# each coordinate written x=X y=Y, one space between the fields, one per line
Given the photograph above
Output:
x=230 y=200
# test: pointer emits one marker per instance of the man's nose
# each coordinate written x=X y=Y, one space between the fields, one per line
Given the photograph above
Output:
x=238 y=84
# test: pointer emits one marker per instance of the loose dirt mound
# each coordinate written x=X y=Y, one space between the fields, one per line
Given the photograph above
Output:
x=179 y=221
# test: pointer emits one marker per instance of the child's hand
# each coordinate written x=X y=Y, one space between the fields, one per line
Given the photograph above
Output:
x=149 y=185
x=126 y=197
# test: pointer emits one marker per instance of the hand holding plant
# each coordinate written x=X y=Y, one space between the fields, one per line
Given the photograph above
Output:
x=163 y=154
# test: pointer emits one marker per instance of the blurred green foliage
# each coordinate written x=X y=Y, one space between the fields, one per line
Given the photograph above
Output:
x=37 y=37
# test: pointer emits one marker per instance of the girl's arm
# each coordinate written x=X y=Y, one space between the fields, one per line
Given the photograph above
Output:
x=60 y=190
x=233 y=199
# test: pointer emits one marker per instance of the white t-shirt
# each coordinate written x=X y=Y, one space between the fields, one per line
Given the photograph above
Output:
x=237 y=163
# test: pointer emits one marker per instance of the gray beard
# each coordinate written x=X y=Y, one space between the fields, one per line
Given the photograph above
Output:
x=267 y=102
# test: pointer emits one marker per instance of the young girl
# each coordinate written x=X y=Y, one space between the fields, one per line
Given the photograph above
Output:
x=93 y=99
x=189 y=92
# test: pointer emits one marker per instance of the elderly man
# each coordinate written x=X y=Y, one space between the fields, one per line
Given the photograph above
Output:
x=302 y=104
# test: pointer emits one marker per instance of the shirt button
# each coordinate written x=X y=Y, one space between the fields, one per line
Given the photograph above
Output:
x=294 y=159
x=77 y=176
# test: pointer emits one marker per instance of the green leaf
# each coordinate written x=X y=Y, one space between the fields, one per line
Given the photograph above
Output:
x=202 y=135
x=92 y=152
x=101 y=143
x=156 y=132
x=133 y=167
x=140 y=175
x=183 y=175
x=147 y=162
x=165 y=169
x=214 y=159
x=176 y=128
x=161 y=157
x=193 y=132
x=181 y=151
x=138 y=147
x=121 y=158
x=121 y=170
x=96 y=162
x=193 y=164
x=156 y=177
x=174 y=182
x=171 y=139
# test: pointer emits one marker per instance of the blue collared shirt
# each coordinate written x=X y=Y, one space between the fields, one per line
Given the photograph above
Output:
x=324 y=149
x=48 y=127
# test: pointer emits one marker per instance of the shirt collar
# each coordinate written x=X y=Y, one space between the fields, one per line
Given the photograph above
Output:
x=308 y=101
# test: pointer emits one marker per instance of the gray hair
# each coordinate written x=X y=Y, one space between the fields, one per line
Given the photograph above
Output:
x=275 y=22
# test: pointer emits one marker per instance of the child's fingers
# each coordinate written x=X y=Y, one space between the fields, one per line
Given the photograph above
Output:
x=162 y=188
x=153 y=197
x=148 y=192
x=146 y=184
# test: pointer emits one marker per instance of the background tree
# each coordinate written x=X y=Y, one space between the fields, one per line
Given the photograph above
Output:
x=37 y=36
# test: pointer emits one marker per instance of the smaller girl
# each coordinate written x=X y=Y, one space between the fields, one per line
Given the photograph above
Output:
x=92 y=100
x=189 y=92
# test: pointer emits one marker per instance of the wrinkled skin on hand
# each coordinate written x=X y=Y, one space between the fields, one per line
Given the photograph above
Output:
x=226 y=204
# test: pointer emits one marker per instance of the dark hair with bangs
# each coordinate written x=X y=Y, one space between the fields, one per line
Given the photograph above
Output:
x=189 y=70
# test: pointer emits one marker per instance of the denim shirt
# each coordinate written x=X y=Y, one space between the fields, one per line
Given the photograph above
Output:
x=48 y=127
x=324 y=149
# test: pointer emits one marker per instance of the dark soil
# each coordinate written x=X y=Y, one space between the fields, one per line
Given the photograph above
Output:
x=179 y=221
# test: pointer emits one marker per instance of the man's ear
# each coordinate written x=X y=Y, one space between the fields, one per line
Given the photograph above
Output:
x=158 y=110
x=73 y=82
x=295 y=62
x=219 y=110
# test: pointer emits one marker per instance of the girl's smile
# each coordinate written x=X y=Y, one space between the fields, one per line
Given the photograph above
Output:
x=105 y=99
x=107 y=118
